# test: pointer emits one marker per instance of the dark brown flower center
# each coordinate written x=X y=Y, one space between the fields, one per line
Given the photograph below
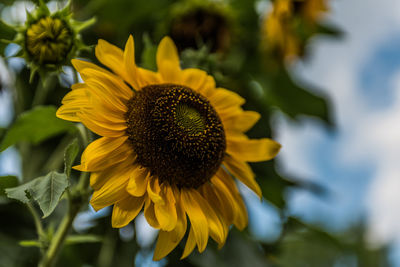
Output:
x=176 y=134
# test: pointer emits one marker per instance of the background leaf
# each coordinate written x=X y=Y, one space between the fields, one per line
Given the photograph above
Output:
x=70 y=155
x=7 y=182
x=77 y=239
x=35 y=126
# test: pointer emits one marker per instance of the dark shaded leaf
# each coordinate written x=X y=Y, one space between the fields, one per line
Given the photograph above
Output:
x=7 y=33
x=295 y=100
x=7 y=182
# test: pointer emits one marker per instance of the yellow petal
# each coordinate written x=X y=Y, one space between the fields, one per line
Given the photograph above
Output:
x=150 y=215
x=153 y=189
x=73 y=103
x=167 y=241
x=222 y=205
x=126 y=210
x=215 y=226
x=110 y=56
x=241 y=122
x=197 y=217
x=190 y=244
x=101 y=128
x=112 y=191
x=138 y=181
x=242 y=171
x=166 y=212
x=102 y=153
x=208 y=89
x=240 y=213
x=130 y=65
x=224 y=99
x=99 y=178
x=80 y=65
x=194 y=78
x=168 y=60
x=147 y=77
x=251 y=150
x=112 y=84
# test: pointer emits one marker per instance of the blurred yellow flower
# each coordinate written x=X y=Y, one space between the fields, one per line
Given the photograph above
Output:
x=282 y=30
x=170 y=145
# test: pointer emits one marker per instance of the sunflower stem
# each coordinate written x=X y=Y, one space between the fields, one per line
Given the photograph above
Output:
x=77 y=198
x=38 y=225
x=57 y=241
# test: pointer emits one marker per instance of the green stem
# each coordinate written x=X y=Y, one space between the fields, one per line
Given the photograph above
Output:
x=36 y=219
x=42 y=91
x=77 y=199
x=57 y=241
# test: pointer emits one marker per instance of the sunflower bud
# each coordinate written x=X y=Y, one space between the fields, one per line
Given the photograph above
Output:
x=50 y=40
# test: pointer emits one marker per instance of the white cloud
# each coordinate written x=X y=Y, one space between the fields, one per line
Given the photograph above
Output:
x=366 y=136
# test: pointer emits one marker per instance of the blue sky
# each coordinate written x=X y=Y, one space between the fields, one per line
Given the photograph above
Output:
x=358 y=162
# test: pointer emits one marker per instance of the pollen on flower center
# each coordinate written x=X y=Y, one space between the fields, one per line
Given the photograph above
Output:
x=48 y=41
x=176 y=134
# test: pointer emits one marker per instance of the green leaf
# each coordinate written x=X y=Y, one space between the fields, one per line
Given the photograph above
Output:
x=45 y=190
x=20 y=193
x=6 y=182
x=70 y=155
x=149 y=54
x=77 y=239
x=295 y=100
x=7 y=33
x=30 y=243
x=35 y=126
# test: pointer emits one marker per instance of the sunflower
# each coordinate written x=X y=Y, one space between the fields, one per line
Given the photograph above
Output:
x=171 y=142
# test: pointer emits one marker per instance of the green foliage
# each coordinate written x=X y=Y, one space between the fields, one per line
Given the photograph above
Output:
x=7 y=32
x=46 y=191
x=295 y=100
x=70 y=155
x=7 y=182
x=35 y=126
x=78 y=239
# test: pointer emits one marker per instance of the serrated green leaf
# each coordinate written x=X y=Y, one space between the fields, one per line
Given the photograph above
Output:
x=7 y=182
x=45 y=190
x=29 y=243
x=70 y=155
x=20 y=193
x=77 y=239
x=35 y=126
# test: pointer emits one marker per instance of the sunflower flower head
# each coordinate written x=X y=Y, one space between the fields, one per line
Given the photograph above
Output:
x=197 y=22
x=171 y=145
x=50 y=40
